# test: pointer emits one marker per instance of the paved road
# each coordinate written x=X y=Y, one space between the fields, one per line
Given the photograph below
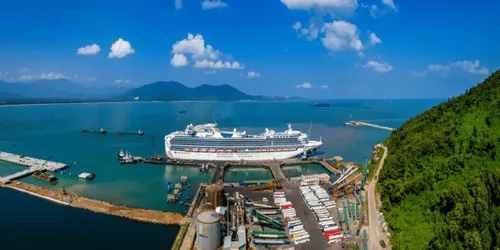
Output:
x=375 y=233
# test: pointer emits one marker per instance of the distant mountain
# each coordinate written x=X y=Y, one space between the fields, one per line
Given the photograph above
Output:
x=8 y=96
x=57 y=88
x=174 y=91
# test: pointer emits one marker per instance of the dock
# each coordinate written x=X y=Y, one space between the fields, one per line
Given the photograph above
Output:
x=353 y=123
x=33 y=165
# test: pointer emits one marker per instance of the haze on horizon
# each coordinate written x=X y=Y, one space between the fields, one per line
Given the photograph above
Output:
x=308 y=48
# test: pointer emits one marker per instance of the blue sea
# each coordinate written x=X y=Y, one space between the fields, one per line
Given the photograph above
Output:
x=54 y=132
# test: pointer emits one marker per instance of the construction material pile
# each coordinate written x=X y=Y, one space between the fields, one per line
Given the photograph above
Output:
x=319 y=201
x=293 y=223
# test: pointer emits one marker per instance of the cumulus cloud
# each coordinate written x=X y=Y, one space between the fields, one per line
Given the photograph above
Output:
x=361 y=54
x=210 y=72
x=217 y=64
x=43 y=76
x=324 y=86
x=310 y=33
x=305 y=85
x=344 y=7
x=204 y=56
x=253 y=74
x=378 y=66
x=472 y=67
x=88 y=50
x=390 y=4
x=178 y=4
x=340 y=35
x=374 y=39
x=121 y=49
x=179 y=60
x=214 y=4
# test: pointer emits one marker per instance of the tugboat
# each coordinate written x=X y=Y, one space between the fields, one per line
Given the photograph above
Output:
x=127 y=159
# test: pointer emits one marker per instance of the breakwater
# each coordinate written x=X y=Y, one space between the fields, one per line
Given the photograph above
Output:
x=138 y=214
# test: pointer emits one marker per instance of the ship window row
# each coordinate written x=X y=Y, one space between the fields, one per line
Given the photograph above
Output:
x=242 y=146
x=235 y=144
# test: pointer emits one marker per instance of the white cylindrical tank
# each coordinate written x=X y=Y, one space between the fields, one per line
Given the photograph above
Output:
x=208 y=230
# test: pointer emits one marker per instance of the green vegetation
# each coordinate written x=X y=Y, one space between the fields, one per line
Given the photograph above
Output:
x=441 y=181
x=180 y=237
x=373 y=163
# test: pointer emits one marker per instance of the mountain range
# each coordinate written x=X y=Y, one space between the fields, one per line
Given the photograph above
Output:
x=63 y=89
x=55 y=89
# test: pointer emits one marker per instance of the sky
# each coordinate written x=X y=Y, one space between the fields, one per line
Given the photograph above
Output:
x=309 y=48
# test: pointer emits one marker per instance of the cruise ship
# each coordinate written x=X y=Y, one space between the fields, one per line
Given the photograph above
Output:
x=208 y=142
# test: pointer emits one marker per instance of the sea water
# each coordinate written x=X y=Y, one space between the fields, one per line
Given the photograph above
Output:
x=53 y=132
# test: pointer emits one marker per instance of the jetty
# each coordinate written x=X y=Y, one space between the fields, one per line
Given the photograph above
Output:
x=353 y=123
x=33 y=164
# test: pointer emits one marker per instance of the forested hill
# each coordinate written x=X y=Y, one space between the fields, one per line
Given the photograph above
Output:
x=440 y=185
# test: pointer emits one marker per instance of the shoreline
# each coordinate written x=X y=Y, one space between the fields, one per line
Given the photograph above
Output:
x=126 y=212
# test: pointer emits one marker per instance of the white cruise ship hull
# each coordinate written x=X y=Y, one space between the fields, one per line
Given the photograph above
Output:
x=237 y=156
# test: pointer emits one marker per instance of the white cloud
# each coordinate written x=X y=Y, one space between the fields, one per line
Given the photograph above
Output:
x=210 y=72
x=305 y=85
x=178 y=4
x=373 y=11
x=214 y=4
x=88 y=50
x=43 y=76
x=253 y=74
x=374 y=39
x=120 y=81
x=378 y=66
x=361 y=54
x=204 y=56
x=121 y=49
x=91 y=79
x=344 y=7
x=217 y=64
x=324 y=86
x=390 y=4
x=195 y=45
x=3 y=75
x=310 y=33
x=340 y=35
x=471 y=67
x=437 y=67
x=179 y=60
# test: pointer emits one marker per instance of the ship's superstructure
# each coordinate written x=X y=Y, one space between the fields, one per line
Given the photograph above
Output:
x=208 y=142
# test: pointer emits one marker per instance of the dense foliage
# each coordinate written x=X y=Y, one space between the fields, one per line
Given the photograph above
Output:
x=441 y=182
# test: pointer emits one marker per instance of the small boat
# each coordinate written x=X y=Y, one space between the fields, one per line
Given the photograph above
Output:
x=316 y=104
x=182 y=112
x=102 y=131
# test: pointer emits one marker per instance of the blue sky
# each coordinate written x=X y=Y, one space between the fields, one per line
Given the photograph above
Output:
x=341 y=49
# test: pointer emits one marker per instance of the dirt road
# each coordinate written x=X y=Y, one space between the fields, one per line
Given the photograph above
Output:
x=375 y=233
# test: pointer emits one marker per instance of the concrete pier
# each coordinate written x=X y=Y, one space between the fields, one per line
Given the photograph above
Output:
x=33 y=165
x=361 y=124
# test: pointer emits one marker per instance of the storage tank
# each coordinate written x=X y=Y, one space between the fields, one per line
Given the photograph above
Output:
x=214 y=195
x=208 y=230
